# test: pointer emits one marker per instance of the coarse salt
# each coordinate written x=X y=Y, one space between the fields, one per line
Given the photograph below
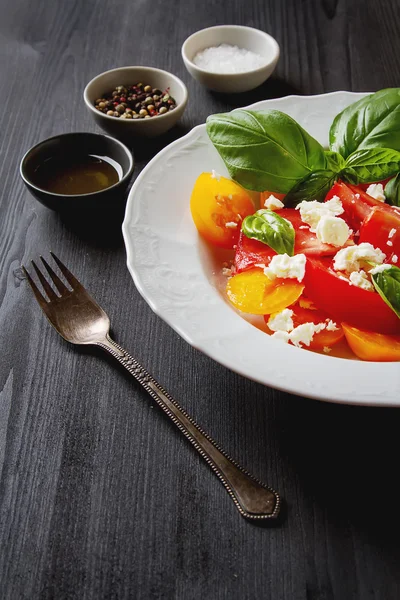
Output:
x=226 y=58
x=379 y=269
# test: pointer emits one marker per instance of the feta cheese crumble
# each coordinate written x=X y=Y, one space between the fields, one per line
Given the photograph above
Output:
x=281 y=321
x=312 y=212
x=304 y=333
x=281 y=335
x=379 y=269
x=285 y=266
x=332 y=230
x=300 y=335
x=389 y=243
x=395 y=258
x=353 y=258
x=391 y=233
x=360 y=279
x=273 y=203
x=231 y=225
x=376 y=191
x=331 y=326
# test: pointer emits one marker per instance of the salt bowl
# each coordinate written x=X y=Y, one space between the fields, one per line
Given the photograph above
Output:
x=230 y=58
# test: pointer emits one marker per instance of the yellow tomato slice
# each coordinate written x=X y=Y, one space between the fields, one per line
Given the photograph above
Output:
x=218 y=206
x=253 y=292
x=369 y=345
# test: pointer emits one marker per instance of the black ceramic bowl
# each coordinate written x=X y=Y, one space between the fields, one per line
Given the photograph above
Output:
x=73 y=145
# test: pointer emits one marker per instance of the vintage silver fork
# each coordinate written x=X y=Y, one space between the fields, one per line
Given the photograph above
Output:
x=80 y=320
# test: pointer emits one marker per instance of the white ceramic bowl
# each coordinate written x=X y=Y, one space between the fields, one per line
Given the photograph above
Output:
x=178 y=276
x=124 y=128
x=236 y=35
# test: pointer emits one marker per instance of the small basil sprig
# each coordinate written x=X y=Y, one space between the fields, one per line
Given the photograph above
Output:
x=268 y=150
x=268 y=227
x=313 y=187
x=316 y=185
x=392 y=191
x=387 y=284
x=334 y=161
x=371 y=164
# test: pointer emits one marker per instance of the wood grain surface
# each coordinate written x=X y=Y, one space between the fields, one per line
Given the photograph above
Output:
x=100 y=496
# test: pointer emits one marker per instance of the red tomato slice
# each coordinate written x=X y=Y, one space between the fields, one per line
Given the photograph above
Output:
x=355 y=210
x=356 y=202
x=376 y=229
x=347 y=303
x=251 y=252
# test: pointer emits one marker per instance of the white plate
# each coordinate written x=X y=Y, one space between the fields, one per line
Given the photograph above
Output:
x=171 y=269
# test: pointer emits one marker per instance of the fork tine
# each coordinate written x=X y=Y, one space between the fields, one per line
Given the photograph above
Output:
x=72 y=280
x=39 y=297
x=61 y=287
x=46 y=286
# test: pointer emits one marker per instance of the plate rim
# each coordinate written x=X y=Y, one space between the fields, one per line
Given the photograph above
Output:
x=129 y=213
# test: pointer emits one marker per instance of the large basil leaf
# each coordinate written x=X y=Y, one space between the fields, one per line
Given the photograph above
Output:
x=371 y=122
x=387 y=284
x=392 y=191
x=268 y=227
x=371 y=164
x=265 y=150
x=313 y=187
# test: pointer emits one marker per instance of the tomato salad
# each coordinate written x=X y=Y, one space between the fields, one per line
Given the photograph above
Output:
x=322 y=291
x=318 y=256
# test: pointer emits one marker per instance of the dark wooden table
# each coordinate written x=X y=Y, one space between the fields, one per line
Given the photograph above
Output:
x=100 y=496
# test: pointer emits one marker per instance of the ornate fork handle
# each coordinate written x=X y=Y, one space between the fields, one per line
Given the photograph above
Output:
x=253 y=499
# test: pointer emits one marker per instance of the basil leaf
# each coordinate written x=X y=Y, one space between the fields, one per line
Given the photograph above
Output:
x=313 y=187
x=334 y=161
x=268 y=227
x=387 y=284
x=371 y=164
x=265 y=150
x=316 y=185
x=392 y=191
x=371 y=122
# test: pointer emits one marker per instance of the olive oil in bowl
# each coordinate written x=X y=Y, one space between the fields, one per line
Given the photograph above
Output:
x=80 y=171
x=77 y=175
